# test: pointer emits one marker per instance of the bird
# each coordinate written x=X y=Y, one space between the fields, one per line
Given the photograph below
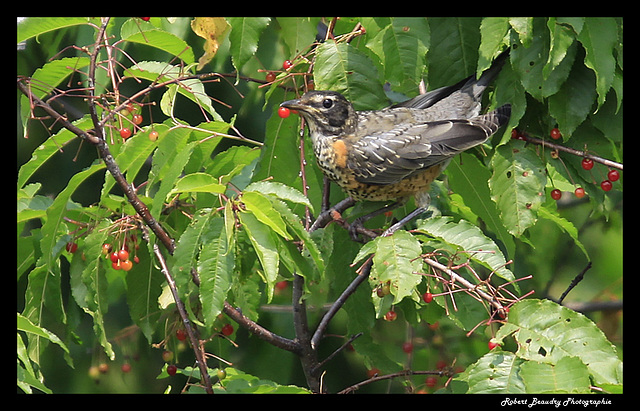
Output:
x=397 y=152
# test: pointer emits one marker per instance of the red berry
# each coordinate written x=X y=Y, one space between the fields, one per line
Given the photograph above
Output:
x=390 y=316
x=227 y=329
x=493 y=345
x=407 y=347
x=126 y=367
x=136 y=259
x=441 y=364
x=287 y=64
x=71 y=247
x=271 y=76
x=106 y=249
x=613 y=175
x=587 y=163
x=116 y=265
x=172 y=369
x=126 y=265
x=137 y=119
x=181 y=334
x=427 y=297
x=146 y=18
x=555 y=134
x=284 y=112
x=373 y=372
x=153 y=135
x=606 y=185
x=579 y=192
x=123 y=255
x=556 y=194
x=114 y=257
x=125 y=133
x=431 y=381
x=103 y=368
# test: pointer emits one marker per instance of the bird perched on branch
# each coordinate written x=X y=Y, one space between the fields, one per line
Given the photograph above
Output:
x=396 y=152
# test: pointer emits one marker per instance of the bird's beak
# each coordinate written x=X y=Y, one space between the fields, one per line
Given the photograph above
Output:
x=293 y=104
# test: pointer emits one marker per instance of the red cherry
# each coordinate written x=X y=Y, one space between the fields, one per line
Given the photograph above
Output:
x=613 y=175
x=407 y=347
x=579 y=192
x=123 y=255
x=373 y=372
x=126 y=367
x=606 y=185
x=71 y=247
x=181 y=334
x=390 y=316
x=125 y=133
x=284 y=112
x=106 y=249
x=431 y=381
x=555 y=134
x=556 y=194
x=153 y=135
x=270 y=77
x=587 y=163
x=114 y=257
x=427 y=297
x=287 y=64
x=172 y=369
x=116 y=265
x=145 y=18
x=126 y=265
x=493 y=345
x=137 y=119
x=167 y=356
x=227 y=329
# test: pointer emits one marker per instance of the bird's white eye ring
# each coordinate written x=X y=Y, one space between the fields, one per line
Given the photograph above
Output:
x=327 y=103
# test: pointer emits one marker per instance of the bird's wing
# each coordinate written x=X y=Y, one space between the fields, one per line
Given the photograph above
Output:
x=386 y=157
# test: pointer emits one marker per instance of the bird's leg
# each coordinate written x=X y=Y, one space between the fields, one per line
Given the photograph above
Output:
x=415 y=213
x=357 y=225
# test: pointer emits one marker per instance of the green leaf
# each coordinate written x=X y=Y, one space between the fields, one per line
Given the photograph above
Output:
x=48 y=149
x=142 y=32
x=492 y=34
x=238 y=382
x=94 y=299
x=34 y=26
x=188 y=247
x=343 y=68
x=566 y=226
x=45 y=79
x=158 y=72
x=547 y=332
x=571 y=105
x=197 y=183
x=494 y=373
x=298 y=32
x=599 y=37
x=144 y=286
x=279 y=190
x=216 y=269
x=401 y=46
x=24 y=324
x=469 y=238
x=517 y=185
x=470 y=177
x=244 y=36
x=453 y=52
x=265 y=244
x=569 y=375
x=133 y=155
x=262 y=208
x=395 y=260
x=168 y=181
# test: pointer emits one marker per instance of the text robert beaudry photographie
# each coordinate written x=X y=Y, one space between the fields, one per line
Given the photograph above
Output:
x=531 y=402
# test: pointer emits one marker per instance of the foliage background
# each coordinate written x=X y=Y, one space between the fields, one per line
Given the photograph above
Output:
x=546 y=250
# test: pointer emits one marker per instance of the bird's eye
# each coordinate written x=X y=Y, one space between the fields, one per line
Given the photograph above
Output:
x=327 y=103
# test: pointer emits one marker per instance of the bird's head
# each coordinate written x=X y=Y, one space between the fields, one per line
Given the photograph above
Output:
x=328 y=113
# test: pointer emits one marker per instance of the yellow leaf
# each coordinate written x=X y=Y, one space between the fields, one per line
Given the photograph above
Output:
x=213 y=30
